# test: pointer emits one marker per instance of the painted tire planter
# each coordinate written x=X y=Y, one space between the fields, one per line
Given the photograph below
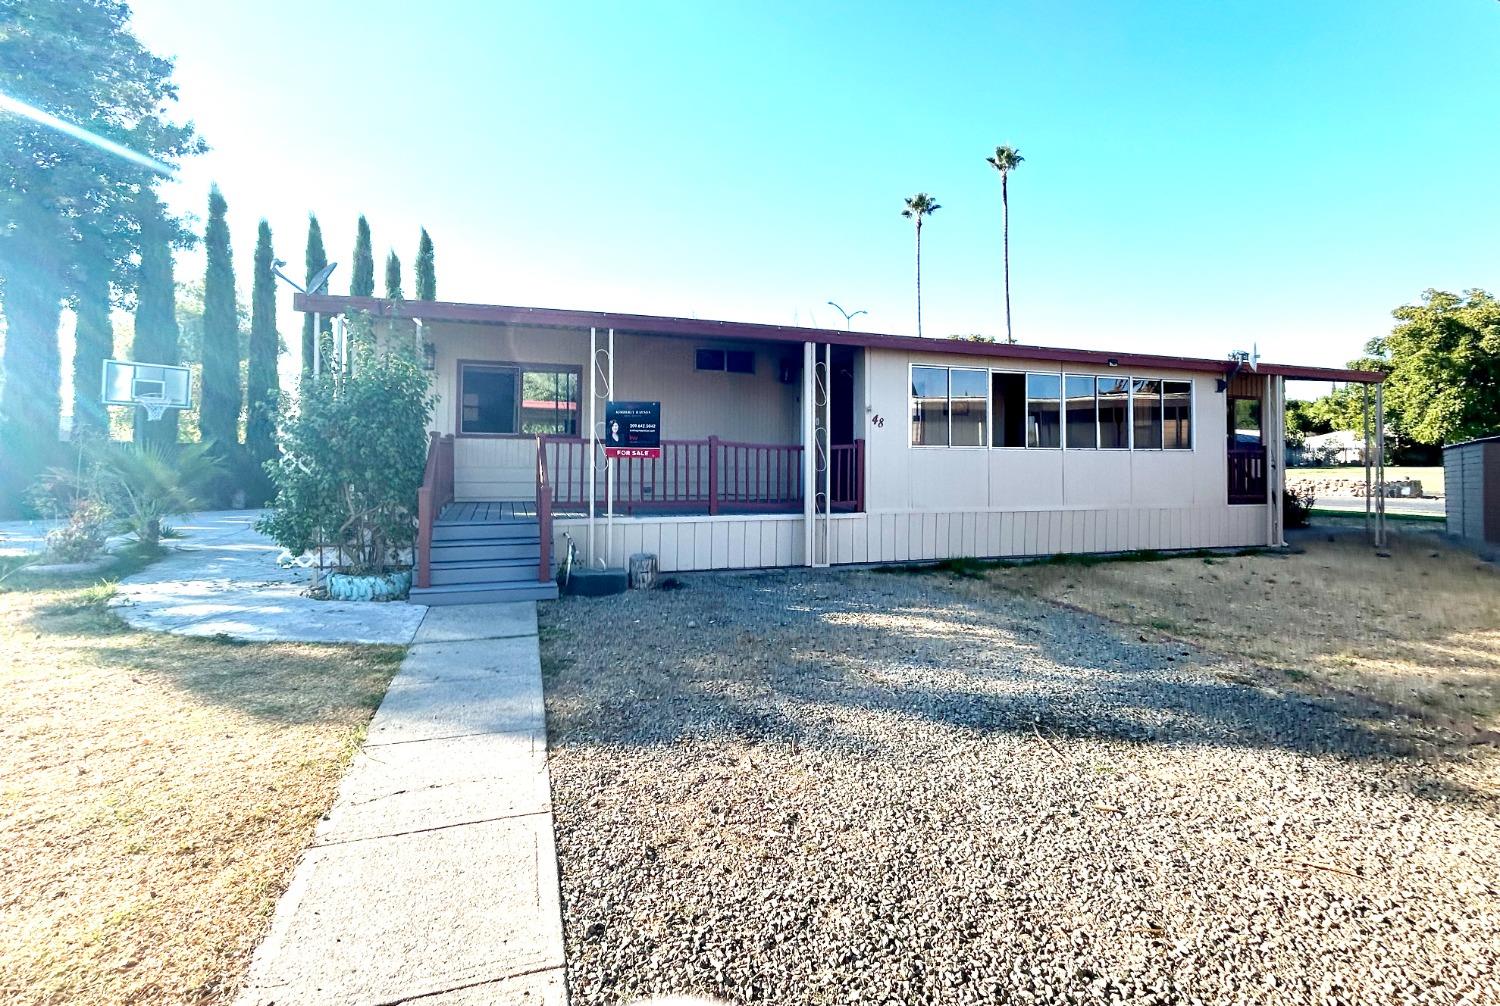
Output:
x=387 y=587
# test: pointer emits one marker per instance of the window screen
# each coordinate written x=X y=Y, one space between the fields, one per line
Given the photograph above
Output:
x=1244 y=420
x=1114 y=413
x=488 y=400
x=1043 y=428
x=1177 y=412
x=929 y=406
x=1009 y=420
x=1147 y=414
x=739 y=361
x=1083 y=418
x=969 y=407
x=709 y=359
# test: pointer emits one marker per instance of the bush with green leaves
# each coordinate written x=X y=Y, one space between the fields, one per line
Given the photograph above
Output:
x=353 y=450
x=144 y=484
x=129 y=487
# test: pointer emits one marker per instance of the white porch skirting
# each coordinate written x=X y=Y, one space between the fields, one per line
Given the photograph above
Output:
x=750 y=542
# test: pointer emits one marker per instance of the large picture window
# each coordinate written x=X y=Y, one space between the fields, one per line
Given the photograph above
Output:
x=949 y=407
x=929 y=406
x=1177 y=415
x=1008 y=402
x=1083 y=414
x=508 y=399
x=1147 y=407
x=1114 y=413
x=1043 y=410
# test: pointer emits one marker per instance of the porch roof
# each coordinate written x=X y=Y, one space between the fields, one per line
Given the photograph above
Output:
x=697 y=328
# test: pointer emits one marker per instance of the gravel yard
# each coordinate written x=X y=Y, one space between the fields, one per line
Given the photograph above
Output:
x=874 y=787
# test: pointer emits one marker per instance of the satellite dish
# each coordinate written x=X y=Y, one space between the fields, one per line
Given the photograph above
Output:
x=316 y=284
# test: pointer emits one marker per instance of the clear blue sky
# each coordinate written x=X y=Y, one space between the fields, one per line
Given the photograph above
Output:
x=1198 y=176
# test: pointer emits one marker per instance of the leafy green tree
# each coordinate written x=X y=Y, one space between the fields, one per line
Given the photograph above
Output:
x=918 y=208
x=362 y=283
x=1443 y=357
x=1006 y=160
x=262 y=385
x=62 y=198
x=426 y=269
x=392 y=277
x=316 y=258
x=156 y=333
x=353 y=451
x=219 y=412
x=93 y=342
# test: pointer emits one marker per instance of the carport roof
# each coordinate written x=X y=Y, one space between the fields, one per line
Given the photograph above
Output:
x=697 y=328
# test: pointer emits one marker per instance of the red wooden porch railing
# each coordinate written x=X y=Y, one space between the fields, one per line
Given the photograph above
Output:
x=704 y=475
x=435 y=493
x=1247 y=475
x=543 y=514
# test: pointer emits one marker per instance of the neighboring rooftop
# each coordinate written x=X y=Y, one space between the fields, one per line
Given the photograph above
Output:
x=696 y=328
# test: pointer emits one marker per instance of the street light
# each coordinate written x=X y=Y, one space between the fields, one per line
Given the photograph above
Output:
x=848 y=318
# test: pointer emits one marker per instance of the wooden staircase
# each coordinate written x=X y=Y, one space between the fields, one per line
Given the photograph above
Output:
x=480 y=553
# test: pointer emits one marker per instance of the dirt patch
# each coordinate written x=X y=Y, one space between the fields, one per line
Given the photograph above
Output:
x=156 y=794
x=1418 y=630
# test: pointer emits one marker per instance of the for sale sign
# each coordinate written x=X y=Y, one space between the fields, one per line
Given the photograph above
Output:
x=632 y=429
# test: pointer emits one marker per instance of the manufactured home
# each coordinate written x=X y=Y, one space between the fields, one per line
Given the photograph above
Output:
x=790 y=446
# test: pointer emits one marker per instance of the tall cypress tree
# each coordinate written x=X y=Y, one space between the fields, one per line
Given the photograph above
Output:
x=262 y=384
x=362 y=284
x=426 y=271
x=156 y=336
x=316 y=259
x=93 y=340
x=392 y=277
x=34 y=269
x=219 y=413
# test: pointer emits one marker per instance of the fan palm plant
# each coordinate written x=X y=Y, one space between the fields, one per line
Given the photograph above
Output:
x=143 y=484
x=918 y=208
x=1006 y=160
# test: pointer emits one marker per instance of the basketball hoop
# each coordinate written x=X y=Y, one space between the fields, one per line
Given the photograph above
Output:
x=154 y=405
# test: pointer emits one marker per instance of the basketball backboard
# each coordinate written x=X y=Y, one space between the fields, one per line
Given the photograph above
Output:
x=153 y=386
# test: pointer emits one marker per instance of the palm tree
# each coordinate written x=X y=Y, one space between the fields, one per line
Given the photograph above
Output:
x=1005 y=160
x=919 y=206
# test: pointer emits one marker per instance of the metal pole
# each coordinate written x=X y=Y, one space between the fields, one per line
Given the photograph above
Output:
x=609 y=468
x=317 y=342
x=809 y=448
x=825 y=454
x=1365 y=416
x=1380 y=465
x=592 y=444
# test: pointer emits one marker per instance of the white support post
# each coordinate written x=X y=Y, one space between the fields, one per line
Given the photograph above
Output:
x=1380 y=541
x=317 y=345
x=809 y=449
x=825 y=459
x=609 y=467
x=591 y=447
x=1365 y=417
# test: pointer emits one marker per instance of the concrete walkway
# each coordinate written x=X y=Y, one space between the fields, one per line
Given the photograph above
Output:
x=222 y=578
x=433 y=880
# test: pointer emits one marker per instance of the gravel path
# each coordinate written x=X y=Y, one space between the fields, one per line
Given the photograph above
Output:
x=867 y=787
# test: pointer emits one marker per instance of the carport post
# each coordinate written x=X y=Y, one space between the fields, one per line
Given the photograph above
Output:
x=1380 y=465
x=809 y=450
x=1365 y=415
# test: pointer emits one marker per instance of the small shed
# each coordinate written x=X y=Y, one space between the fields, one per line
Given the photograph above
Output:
x=1471 y=477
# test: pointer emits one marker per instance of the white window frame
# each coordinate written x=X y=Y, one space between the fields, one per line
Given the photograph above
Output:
x=1062 y=415
x=1129 y=405
x=1192 y=416
x=911 y=400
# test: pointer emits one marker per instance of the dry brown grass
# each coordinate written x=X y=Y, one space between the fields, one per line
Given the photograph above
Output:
x=1418 y=632
x=155 y=793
